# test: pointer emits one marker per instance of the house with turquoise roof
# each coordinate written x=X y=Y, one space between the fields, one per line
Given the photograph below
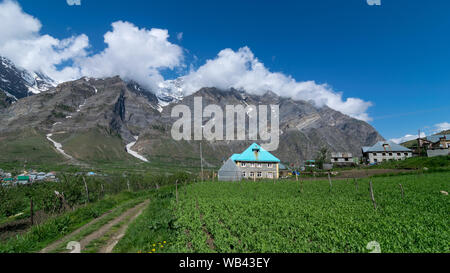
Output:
x=254 y=163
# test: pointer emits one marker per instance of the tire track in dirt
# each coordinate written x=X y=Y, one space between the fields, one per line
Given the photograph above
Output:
x=57 y=243
x=131 y=214
x=109 y=247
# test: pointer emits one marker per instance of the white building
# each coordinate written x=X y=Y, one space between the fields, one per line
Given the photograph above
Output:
x=385 y=151
x=343 y=159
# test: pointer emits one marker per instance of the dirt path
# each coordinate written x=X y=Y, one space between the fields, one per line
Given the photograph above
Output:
x=109 y=247
x=131 y=214
x=56 y=244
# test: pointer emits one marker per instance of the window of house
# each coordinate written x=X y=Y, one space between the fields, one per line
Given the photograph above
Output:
x=252 y=165
x=346 y=159
x=406 y=154
x=390 y=154
x=384 y=154
x=259 y=165
x=374 y=154
x=244 y=174
x=259 y=174
x=375 y=160
x=399 y=154
x=269 y=165
x=252 y=174
x=243 y=165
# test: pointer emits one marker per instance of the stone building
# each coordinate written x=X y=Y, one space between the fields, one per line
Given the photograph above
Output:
x=385 y=151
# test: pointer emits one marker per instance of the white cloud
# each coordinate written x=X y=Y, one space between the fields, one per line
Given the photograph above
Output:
x=242 y=70
x=133 y=53
x=444 y=126
x=21 y=42
x=140 y=54
x=407 y=138
x=180 y=36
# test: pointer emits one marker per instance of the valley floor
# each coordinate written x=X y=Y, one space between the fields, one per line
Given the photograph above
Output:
x=411 y=216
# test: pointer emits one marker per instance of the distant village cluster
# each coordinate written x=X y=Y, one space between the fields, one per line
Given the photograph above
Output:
x=26 y=177
x=257 y=163
x=436 y=145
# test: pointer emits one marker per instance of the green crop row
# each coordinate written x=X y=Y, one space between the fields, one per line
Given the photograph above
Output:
x=280 y=218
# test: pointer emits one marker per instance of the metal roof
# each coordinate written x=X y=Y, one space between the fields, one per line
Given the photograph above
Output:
x=255 y=153
x=436 y=138
x=235 y=156
x=385 y=146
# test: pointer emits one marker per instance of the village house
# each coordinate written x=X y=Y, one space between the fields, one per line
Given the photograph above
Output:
x=254 y=163
x=385 y=151
x=436 y=145
x=436 y=142
x=343 y=159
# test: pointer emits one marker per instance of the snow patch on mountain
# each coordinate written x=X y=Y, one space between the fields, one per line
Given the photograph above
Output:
x=133 y=153
x=170 y=91
x=58 y=146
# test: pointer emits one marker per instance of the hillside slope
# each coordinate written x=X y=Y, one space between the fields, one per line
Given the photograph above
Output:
x=94 y=119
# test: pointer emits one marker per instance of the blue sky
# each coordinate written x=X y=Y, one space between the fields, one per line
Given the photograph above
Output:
x=395 y=55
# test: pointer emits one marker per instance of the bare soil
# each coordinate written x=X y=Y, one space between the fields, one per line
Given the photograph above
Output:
x=109 y=247
x=131 y=214
x=18 y=227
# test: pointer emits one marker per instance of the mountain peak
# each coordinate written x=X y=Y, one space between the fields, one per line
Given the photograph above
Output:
x=19 y=83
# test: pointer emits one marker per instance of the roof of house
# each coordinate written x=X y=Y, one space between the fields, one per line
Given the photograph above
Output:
x=385 y=146
x=23 y=178
x=230 y=166
x=255 y=153
x=235 y=156
x=436 y=138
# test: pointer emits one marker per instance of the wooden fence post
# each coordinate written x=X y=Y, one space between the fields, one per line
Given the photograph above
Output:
x=356 y=184
x=128 y=184
x=32 y=211
x=176 y=189
x=87 y=190
x=371 y=195
x=329 y=180
x=401 y=187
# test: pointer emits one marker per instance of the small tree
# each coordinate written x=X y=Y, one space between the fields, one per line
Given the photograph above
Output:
x=321 y=157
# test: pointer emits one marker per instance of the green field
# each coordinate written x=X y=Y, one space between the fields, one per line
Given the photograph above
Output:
x=266 y=217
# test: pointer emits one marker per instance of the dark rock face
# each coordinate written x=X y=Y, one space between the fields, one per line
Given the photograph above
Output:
x=128 y=110
x=304 y=128
x=5 y=101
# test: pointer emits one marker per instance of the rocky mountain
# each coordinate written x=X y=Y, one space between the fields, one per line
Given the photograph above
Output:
x=17 y=83
x=95 y=119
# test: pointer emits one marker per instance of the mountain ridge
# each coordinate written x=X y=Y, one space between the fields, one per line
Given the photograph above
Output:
x=113 y=109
